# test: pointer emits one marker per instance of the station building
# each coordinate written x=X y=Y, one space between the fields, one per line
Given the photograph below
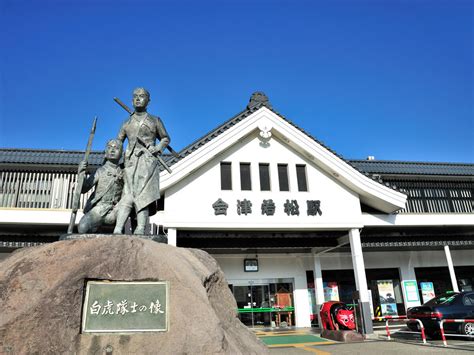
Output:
x=291 y=222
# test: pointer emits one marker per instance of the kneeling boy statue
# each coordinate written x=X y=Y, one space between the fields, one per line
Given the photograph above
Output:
x=101 y=207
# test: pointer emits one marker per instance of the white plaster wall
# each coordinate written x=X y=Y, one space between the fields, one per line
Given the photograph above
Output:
x=270 y=266
x=37 y=216
x=188 y=204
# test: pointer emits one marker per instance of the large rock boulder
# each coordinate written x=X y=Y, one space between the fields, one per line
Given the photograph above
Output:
x=42 y=290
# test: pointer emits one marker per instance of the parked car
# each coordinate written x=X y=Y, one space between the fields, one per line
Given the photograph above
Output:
x=451 y=305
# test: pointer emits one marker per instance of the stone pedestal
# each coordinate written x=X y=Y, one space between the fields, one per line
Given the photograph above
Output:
x=42 y=294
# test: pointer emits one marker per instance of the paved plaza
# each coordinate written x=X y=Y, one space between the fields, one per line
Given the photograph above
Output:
x=304 y=341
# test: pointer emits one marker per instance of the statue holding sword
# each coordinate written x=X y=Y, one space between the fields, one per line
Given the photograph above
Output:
x=142 y=162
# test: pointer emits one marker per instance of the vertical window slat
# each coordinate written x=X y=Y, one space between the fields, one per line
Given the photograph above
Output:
x=226 y=176
x=283 y=177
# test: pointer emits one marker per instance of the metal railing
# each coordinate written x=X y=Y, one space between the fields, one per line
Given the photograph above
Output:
x=403 y=319
x=443 y=335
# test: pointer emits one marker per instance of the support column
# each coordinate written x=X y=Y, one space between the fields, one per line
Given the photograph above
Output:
x=172 y=236
x=407 y=273
x=452 y=274
x=300 y=297
x=361 y=280
x=318 y=286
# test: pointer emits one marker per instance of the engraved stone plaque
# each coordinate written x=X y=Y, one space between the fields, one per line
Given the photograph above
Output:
x=120 y=306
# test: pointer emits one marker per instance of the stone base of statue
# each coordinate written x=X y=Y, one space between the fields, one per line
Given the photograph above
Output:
x=118 y=295
x=154 y=237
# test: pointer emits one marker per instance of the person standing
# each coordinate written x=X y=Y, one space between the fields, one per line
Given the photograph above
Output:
x=142 y=167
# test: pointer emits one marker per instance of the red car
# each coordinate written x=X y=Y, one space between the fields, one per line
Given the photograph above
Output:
x=451 y=305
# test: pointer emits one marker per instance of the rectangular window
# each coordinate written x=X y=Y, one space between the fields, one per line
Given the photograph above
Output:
x=301 y=177
x=283 y=177
x=245 y=181
x=226 y=176
x=264 y=170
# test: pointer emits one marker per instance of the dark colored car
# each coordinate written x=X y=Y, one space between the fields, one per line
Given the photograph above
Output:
x=451 y=305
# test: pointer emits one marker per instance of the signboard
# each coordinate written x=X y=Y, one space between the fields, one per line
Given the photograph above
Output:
x=251 y=265
x=268 y=207
x=116 y=306
x=411 y=291
x=427 y=291
x=331 y=291
x=388 y=304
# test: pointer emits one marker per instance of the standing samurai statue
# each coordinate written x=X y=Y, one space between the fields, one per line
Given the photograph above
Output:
x=142 y=168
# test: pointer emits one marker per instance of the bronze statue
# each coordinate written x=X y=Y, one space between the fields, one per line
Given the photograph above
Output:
x=101 y=207
x=142 y=163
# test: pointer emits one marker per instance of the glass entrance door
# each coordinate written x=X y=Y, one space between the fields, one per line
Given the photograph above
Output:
x=261 y=297
x=253 y=302
x=243 y=297
x=264 y=302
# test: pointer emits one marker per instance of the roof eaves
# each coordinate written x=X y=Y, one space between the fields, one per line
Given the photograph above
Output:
x=414 y=168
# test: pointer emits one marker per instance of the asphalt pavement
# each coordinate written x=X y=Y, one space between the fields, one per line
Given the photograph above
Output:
x=367 y=347
x=307 y=340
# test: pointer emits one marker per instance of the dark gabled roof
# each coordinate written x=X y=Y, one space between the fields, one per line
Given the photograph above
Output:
x=366 y=167
x=47 y=157
x=21 y=156
x=257 y=101
x=213 y=134
x=371 y=168
x=386 y=167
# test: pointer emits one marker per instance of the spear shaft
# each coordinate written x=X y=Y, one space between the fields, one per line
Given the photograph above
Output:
x=80 y=180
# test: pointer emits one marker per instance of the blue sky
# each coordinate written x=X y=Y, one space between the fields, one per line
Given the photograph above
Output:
x=389 y=78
